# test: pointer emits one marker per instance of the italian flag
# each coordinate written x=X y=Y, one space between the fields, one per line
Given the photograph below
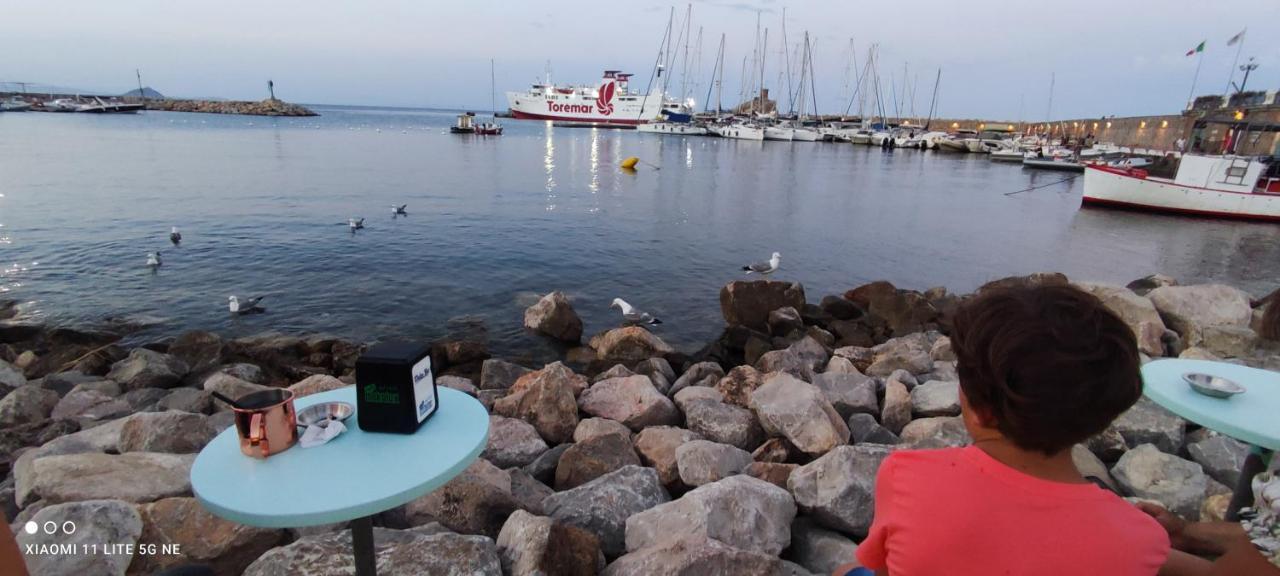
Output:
x=1199 y=48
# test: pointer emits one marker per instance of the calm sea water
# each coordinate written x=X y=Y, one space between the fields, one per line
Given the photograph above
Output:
x=262 y=205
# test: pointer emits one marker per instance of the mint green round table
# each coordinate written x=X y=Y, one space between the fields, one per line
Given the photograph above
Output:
x=352 y=477
x=1252 y=417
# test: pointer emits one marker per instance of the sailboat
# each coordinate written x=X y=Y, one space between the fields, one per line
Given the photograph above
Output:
x=798 y=131
x=492 y=127
x=674 y=121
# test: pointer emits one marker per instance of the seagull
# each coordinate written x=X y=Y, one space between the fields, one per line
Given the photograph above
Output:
x=175 y=236
x=765 y=268
x=355 y=224
x=632 y=315
x=153 y=260
x=399 y=210
x=248 y=306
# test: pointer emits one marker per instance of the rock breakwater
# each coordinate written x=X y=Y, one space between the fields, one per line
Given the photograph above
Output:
x=268 y=107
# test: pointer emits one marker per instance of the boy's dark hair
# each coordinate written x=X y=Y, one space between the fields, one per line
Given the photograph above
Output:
x=1050 y=365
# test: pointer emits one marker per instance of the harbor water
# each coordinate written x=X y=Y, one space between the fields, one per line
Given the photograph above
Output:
x=493 y=222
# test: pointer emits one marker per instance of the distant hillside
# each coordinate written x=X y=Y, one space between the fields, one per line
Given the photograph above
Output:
x=148 y=92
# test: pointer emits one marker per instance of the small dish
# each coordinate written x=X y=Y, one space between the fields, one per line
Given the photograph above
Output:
x=324 y=412
x=1210 y=385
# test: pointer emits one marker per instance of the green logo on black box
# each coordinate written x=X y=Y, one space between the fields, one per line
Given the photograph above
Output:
x=375 y=396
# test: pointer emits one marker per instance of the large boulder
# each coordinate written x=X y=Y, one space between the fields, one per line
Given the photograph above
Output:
x=316 y=384
x=740 y=511
x=724 y=423
x=1188 y=309
x=546 y=400
x=798 y=411
x=201 y=351
x=785 y=361
x=543 y=468
x=910 y=353
x=553 y=315
x=632 y=401
x=936 y=398
x=1229 y=341
x=694 y=556
x=26 y=405
x=1136 y=311
x=896 y=412
x=785 y=320
x=589 y=428
x=1149 y=423
x=132 y=477
x=736 y=386
x=532 y=545
x=586 y=461
x=1177 y=484
x=231 y=387
x=936 y=432
x=498 y=374
x=629 y=344
x=97 y=522
x=697 y=375
x=11 y=377
x=527 y=491
x=147 y=369
x=396 y=553
x=838 y=490
x=819 y=550
x=172 y=432
x=24 y=475
x=1220 y=456
x=864 y=428
x=749 y=302
x=849 y=392
x=703 y=461
x=603 y=505
x=203 y=538
x=512 y=442
x=187 y=400
x=477 y=501
x=657 y=447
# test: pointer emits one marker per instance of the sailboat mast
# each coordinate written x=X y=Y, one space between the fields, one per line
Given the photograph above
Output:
x=786 y=54
x=764 y=51
x=684 y=68
x=933 y=104
x=720 y=81
x=813 y=81
x=493 y=102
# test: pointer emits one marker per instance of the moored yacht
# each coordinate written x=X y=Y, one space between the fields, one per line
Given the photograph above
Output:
x=1222 y=186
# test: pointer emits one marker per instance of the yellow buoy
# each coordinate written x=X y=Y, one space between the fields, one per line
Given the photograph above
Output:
x=630 y=163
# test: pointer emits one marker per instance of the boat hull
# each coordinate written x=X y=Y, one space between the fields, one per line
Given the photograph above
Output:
x=1050 y=164
x=804 y=135
x=780 y=134
x=738 y=132
x=672 y=128
x=1114 y=187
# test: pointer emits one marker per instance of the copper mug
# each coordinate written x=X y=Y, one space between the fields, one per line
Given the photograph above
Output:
x=266 y=422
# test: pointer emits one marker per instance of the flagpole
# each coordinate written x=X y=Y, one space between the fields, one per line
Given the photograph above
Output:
x=1191 y=99
x=1234 y=61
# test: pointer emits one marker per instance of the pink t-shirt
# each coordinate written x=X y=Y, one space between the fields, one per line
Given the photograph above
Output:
x=959 y=511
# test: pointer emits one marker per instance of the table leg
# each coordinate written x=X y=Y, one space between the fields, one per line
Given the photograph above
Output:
x=1254 y=463
x=362 y=545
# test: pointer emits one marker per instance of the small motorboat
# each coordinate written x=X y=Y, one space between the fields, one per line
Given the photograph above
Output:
x=465 y=124
x=1041 y=161
x=61 y=105
x=14 y=104
x=491 y=128
x=1007 y=155
x=100 y=106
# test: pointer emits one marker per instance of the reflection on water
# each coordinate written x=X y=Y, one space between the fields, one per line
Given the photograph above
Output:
x=490 y=225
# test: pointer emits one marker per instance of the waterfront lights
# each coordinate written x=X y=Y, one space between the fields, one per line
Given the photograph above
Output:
x=1142 y=124
x=1075 y=124
x=1095 y=125
x=1011 y=127
x=955 y=124
x=982 y=126
x=1164 y=123
x=1239 y=115
x=1108 y=125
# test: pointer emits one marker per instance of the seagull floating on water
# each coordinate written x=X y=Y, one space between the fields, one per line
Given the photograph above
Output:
x=175 y=236
x=248 y=306
x=633 y=315
x=153 y=260
x=765 y=268
x=399 y=210
x=355 y=224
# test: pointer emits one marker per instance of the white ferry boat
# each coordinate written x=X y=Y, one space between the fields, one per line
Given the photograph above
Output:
x=611 y=102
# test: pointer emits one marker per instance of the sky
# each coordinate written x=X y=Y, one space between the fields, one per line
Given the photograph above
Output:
x=998 y=59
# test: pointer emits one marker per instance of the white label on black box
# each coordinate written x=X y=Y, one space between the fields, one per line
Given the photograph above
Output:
x=424 y=396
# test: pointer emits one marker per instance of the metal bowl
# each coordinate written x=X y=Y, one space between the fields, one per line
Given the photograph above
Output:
x=324 y=413
x=1211 y=385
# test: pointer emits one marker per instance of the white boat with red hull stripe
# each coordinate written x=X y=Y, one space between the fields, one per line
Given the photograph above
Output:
x=611 y=102
x=1219 y=186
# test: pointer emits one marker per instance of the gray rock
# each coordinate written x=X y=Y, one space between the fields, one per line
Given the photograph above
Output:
x=695 y=375
x=173 y=432
x=1136 y=311
x=905 y=378
x=594 y=458
x=248 y=372
x=143 y=399
x=589 y=428
x=10 y=377
x=603 y=505
x=544 y=466
x=546 y=400
x=147 y=369
x=910 y=353
x=694 y=556
x=936 y=398
x=798 y=411
x=896 y=412
x=723 y=423
x=617 y=371
x=222 y=420
x=776 y=473
x=477 y=501
x=317 y=383
x=1148 y=423
x=838 y=489
x=231 y=387
x=657 y=446
x=1090 y=465
x=1107 y=445
x=512 y=442
x=785 y=361
x=1146 y=284
x=97 y=522
x=849 y=392
x=24 y=469
x=703 y=461
x=531 y=545
x=654 y=366
x=864 y=428
x=132 y=477
x=104 y=437
x=748 y=303
x=941 y=350
x=819 y=550
x=736 y=386
x=26 y=405
x=1221 y=457
x=629 y=344
x=811 y=352
x=187 y=400
x=784 y=320
x=1177 y=484
x=632 y=401
x=945 y=371
x=89 y=405
x=553 y=315
x=397 y=553
x=1188 y=309
x=1229 y=341
x=498 y=374
x=65 y=382
x=201 y=351
x=200 y=536
x=527 y=491
x=840 y=365
x=694 y=394
x=936 y=432
x=740 y=511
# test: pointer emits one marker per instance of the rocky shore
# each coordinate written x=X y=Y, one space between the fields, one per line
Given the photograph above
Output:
x=268 y=107
x=756 y=454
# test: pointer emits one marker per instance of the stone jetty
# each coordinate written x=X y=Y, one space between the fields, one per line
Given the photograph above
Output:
x=268 y=107
x=756 y=454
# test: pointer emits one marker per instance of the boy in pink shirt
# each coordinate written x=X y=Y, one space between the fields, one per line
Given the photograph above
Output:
x=1041 y=369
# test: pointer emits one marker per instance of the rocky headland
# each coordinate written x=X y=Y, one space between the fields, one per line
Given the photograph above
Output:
x=756 y=454
x=268 y=107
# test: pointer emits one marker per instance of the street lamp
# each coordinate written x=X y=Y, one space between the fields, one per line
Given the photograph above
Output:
x=1247 y=67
